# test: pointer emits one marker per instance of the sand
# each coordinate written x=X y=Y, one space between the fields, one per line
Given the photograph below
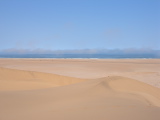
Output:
x=79 y=89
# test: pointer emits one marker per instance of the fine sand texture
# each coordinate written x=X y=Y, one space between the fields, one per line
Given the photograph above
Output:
x=145 y=70
x=79 y=89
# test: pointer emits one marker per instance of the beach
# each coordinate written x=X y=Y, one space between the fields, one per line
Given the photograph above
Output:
x=79 y=89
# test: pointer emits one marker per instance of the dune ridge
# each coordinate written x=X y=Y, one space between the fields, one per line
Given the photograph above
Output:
x=12 y=79
x=112 y=97
x=145 y=70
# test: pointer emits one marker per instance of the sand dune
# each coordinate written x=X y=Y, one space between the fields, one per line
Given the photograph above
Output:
x=107 y=98
x=11 y=79
x=145 y=70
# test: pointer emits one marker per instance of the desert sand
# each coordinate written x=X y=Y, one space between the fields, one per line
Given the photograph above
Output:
x=79 y=89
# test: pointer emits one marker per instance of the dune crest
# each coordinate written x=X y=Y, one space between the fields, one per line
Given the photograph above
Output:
x=128 y=85
x=12 y=79
x=113 y=97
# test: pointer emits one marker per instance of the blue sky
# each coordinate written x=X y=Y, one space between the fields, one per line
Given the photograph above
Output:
x=79 y=24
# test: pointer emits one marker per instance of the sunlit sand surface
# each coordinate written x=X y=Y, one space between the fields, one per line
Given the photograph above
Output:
x=45 y=89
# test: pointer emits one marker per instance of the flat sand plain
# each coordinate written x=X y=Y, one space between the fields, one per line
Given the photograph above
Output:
x=79 y=89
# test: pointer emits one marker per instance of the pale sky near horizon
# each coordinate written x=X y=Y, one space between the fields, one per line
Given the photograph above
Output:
x=79 y=24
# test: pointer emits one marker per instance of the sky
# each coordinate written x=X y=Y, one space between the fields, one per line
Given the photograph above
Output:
x=79 y=24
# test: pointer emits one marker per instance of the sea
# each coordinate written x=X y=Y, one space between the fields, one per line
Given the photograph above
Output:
x=82 y=56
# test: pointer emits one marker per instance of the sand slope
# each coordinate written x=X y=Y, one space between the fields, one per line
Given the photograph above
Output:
x=11 y=79
x=108 y=98
x=145 y=70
